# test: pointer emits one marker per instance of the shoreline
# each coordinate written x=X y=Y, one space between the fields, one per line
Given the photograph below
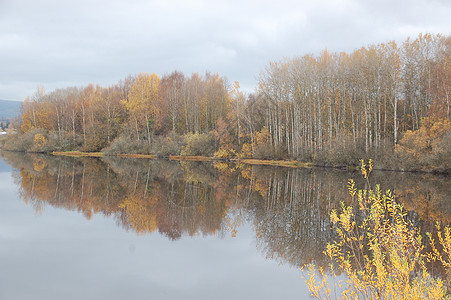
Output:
x=294 y=164
x=248 y=161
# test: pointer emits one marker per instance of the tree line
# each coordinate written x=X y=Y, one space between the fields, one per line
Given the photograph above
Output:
x=366 y=100
x=332 y=108
x=140 y=106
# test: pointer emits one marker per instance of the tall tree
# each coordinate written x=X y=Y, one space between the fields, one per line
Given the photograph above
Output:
x=142 y=103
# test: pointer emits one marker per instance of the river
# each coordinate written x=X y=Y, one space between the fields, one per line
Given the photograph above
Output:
x=122 y=228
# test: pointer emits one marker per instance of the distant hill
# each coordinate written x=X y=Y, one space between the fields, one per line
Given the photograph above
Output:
x=9 y=109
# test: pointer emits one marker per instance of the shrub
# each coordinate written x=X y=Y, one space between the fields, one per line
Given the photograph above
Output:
x=344 y=152
x=168 y=145
x=93 y=143
x=199 y=144
x=263 y=151
x=126 y=145
x=380 y=252
x=22 y=142
x=63 y=142
x=39 y=140
x=429 y=147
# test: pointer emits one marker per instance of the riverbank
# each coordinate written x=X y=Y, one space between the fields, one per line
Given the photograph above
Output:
x=78 y=153
x=202 y=147
x=247 y=161
x=277 y=163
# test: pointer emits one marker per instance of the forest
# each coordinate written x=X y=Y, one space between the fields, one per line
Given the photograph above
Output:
x=384 y=101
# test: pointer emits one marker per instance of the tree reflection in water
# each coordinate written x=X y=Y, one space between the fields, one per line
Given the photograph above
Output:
x=288 y=208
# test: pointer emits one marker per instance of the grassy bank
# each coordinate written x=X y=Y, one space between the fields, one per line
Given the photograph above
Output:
x=193 y=158
x=278 y=163
x=149 y=156
x=78 y=153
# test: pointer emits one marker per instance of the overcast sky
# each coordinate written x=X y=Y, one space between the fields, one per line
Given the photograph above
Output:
x=56 y=43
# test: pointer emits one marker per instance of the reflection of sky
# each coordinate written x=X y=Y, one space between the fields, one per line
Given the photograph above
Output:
x=61 y=255
x=4 y=167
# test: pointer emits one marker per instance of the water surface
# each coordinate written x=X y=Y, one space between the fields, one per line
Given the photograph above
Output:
x=87 y=228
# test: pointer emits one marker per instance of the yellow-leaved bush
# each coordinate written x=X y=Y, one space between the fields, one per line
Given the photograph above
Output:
x=380 y=252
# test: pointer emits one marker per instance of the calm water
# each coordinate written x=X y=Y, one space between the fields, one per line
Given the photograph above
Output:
x=85 y=228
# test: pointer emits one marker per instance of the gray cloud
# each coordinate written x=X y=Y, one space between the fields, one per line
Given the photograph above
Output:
x=62 y=43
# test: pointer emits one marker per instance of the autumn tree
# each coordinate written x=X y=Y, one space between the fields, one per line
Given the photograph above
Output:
x=171 y=87
x=141 y=103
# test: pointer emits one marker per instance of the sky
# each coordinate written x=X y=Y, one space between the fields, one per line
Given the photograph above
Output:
x=57 y=44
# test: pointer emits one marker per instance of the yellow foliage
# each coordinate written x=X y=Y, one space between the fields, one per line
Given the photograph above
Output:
x=224 y=168
x=142 y=101
x=143 y=93
x=430 y=141
x=39 y=165
x=380 y=252
x=262 y=136
x=141 y=218
x=444 y=238
x=232 y=223
x=246 y=171
x=39 y=140
x=261 y=187
x=225 y=153
x=26 y=123
x=246 y=151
